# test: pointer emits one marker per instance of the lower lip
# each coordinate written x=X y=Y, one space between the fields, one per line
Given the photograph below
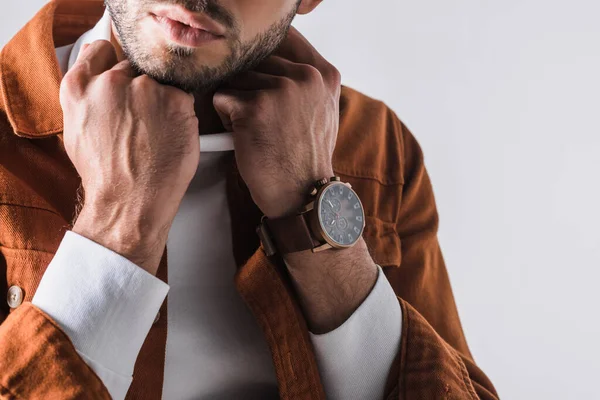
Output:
x=184 y=34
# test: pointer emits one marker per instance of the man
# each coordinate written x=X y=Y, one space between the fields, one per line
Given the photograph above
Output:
x=104 y=183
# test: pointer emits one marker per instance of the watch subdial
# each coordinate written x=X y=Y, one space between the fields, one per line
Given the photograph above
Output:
x=334 y=204
x=328 y=219
x=342 y=223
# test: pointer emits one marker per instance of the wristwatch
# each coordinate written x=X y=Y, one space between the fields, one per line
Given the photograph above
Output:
x=333 y=218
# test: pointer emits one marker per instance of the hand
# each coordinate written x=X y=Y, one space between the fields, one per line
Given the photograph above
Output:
x=285 y=119
x=134 y=142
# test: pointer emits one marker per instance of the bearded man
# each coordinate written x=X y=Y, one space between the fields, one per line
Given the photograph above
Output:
x=300 y=223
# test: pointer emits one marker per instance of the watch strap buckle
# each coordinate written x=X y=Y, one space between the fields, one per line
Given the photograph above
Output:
x=265 y=239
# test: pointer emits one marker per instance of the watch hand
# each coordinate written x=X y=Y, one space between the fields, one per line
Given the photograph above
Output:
x=330 y=203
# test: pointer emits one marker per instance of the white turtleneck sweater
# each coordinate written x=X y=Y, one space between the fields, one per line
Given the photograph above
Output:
x=107 y=304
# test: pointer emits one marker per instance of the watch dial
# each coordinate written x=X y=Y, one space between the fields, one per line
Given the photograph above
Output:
x=341 y=214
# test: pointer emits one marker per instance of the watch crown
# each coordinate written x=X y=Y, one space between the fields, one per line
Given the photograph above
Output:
x=321 y=182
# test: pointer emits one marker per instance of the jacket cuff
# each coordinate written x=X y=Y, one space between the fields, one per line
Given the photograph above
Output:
x=429 y=368
x=372 y=335
x=105 y=303
x=38 y=361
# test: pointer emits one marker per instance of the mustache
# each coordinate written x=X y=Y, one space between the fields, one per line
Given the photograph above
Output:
x=209 y=7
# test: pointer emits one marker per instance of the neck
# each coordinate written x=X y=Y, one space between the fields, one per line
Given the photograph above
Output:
x=208 y=120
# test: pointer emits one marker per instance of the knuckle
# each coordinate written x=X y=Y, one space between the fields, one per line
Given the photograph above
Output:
x=78 y=70
x=112 y=77
x=100 y=44
x=83 y=66
x=179 y=98
x=100 y=47
x=261 y=100
x=333 y=75
x=285 y=82
x=193 y=122
x=71 y=86
x=144 y=81
x=311 y=74
x=145 y=86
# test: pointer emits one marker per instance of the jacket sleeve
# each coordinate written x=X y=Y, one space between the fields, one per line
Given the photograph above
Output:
x=434 y=361
x=116 y=305
x=38 y=360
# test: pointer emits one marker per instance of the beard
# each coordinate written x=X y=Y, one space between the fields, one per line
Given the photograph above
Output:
x=179 y=66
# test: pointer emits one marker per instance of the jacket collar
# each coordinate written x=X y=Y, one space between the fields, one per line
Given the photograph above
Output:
x=29 y=72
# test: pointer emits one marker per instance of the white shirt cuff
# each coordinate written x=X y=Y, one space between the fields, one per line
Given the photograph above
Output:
x=371 y=335
x=105 y=303
x=117 y=384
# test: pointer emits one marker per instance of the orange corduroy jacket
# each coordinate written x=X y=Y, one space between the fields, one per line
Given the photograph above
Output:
x=375 y=152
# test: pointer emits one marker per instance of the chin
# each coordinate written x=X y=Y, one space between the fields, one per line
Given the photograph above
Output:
x=184 y=72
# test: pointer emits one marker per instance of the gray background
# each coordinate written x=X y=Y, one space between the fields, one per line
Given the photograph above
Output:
x=504 y=98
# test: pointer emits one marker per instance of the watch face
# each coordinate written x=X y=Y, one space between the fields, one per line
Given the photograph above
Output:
x=341 y=214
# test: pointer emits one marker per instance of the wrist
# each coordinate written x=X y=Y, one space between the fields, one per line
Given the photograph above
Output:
x=317 y=263
x=332 y=284
x=133 y=236
x=287 y=202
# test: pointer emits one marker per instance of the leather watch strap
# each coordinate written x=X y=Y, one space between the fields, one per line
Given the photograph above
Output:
x=290 y=234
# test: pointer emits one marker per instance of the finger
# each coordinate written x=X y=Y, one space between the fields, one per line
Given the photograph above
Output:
x=295 y=47
x=227 y=102
x=282 y=67
x=125 y=67
x=82 y=50
x=98 y=57
x=224 y=103
x=253 y=80
x=275 y=65
x=175 y=91
x=279 y=66
x=166 y=88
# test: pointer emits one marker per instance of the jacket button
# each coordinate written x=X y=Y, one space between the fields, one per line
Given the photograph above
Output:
x=14 y=296
x=156 y=318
